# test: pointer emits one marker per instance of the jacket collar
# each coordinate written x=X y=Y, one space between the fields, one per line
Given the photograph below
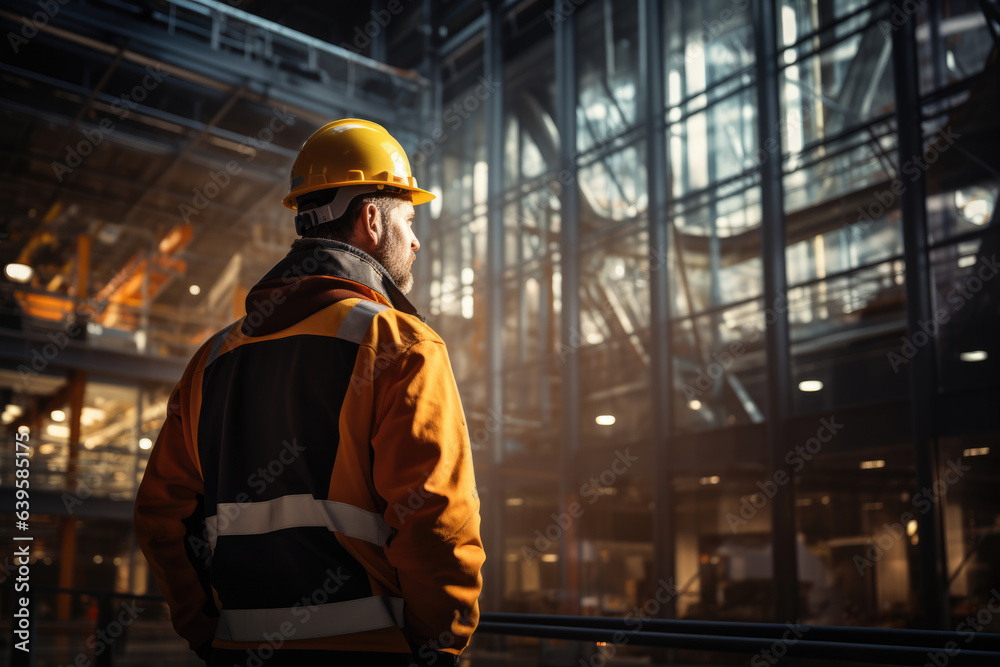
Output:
x=324 y=257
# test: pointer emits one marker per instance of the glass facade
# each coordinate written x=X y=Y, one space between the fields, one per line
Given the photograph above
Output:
x=570 y=462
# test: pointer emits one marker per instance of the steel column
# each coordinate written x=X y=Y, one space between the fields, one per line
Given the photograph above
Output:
x=785 y=568
x=569 y=330
x=493 y=70
x=913 y=208
x=659 y=183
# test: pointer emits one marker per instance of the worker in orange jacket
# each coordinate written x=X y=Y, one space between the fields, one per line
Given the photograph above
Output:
x=312 y=487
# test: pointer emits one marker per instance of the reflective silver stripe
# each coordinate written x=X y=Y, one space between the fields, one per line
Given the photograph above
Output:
x=356 y=324
x=325 y=620
x=296 y=511
x=220 y=338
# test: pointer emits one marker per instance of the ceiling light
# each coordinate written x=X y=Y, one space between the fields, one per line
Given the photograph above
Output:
x=19 y=273
x=695 y=404
x=145 y=443
x=47 y=448
x=976 y=451
x=810 y=385
x=514 y=502
x=195 y=290
x=911 y=527
x=605 y=420
x=58 y=416
x=705 y=481
x=872 y=465
x=23 y=430
x=550 y=558
x=974 y=355
x=15 y=410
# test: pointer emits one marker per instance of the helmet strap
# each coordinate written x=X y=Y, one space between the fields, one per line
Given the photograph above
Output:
x=306 y=220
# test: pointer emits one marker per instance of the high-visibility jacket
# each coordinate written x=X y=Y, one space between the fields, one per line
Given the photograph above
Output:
x=312 y=485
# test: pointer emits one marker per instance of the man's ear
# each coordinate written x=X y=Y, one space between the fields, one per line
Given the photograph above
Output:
x=369 y=226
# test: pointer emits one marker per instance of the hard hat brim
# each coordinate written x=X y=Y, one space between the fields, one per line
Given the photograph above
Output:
x=418 y=195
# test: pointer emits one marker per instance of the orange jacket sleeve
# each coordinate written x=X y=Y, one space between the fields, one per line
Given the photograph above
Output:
x=169 y=525
x=423 y=470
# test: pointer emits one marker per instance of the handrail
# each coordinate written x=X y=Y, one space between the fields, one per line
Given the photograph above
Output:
x=850 y=644
x=888 y=646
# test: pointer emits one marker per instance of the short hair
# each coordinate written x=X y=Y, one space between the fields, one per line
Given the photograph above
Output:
x=342 y=229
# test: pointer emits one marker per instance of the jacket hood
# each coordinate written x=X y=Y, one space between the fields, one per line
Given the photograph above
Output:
x=313 y=275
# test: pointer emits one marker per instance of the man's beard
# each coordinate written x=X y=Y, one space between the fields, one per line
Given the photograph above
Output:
x=393 y=253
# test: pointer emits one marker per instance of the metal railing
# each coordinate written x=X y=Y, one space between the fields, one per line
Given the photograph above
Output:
x=847 y=644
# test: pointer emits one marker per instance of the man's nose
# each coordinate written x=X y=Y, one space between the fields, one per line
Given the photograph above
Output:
x=414 y=243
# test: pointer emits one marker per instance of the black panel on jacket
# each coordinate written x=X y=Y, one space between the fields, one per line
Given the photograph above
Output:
x=268 y=425
x=301 y=567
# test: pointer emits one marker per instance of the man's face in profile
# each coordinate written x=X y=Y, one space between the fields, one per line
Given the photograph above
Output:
x=397 y=247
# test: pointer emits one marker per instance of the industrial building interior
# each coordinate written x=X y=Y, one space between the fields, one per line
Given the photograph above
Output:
x=719 y=273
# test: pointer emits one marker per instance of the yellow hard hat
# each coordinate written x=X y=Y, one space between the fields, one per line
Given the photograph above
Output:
x=352 y=152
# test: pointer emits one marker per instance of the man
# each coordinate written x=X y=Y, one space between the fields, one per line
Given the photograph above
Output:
x=310 y=498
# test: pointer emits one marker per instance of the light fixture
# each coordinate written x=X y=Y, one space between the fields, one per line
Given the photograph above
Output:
x=47 y=448
x=872 y=465
x=550 y=558
x=974 y=355
x=911 y=527
x=976 y=451
x=195 y=290
x=695 y=404
x=58 y=416
x=705 y=481
x=23 y=430
x=15 y=410
x=514 y=502
x=825 y=500
x=19 y=273
x=605 y=420
x=145 y=443
x=810 y=385
x=975 y=205
x=57 y=431
x=98 y=559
